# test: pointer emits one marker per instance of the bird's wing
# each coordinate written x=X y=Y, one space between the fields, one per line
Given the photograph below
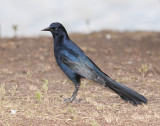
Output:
x=80 y=64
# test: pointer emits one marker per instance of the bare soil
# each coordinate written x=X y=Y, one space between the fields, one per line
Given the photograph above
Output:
x=32 y=87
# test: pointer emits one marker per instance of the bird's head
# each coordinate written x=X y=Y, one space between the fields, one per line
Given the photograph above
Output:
x=56 y=29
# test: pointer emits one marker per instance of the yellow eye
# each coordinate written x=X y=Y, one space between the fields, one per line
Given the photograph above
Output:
x=56 y=29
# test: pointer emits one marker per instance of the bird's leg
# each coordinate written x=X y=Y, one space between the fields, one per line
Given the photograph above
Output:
x=69 y=100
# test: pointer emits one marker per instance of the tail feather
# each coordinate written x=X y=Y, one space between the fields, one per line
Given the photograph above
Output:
x=124 y=92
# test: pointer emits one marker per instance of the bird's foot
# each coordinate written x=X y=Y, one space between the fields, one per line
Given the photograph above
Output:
x=70 y=100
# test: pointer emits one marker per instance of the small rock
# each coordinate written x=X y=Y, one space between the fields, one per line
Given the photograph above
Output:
x=13 y=112
x=129 y=62
x=108 y=36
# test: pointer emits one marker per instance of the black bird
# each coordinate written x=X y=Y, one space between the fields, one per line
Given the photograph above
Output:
x=76 y=65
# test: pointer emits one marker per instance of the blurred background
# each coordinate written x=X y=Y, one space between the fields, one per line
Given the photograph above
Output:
x=28 y=17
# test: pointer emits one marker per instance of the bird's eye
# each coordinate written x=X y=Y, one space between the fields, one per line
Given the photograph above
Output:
x=56 y=29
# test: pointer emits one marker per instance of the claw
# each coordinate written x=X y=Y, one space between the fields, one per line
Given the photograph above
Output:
x=70 y=100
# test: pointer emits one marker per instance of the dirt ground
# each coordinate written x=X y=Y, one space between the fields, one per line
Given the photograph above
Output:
x=32 y=87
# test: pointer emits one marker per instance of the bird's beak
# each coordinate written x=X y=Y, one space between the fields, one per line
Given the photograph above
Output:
x=46 y=29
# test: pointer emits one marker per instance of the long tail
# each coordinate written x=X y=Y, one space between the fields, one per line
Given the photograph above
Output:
x=124 y=92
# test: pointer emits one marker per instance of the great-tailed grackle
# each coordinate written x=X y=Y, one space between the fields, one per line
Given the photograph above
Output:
x=76 y=65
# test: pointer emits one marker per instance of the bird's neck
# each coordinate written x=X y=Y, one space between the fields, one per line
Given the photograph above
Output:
x=60 y=39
